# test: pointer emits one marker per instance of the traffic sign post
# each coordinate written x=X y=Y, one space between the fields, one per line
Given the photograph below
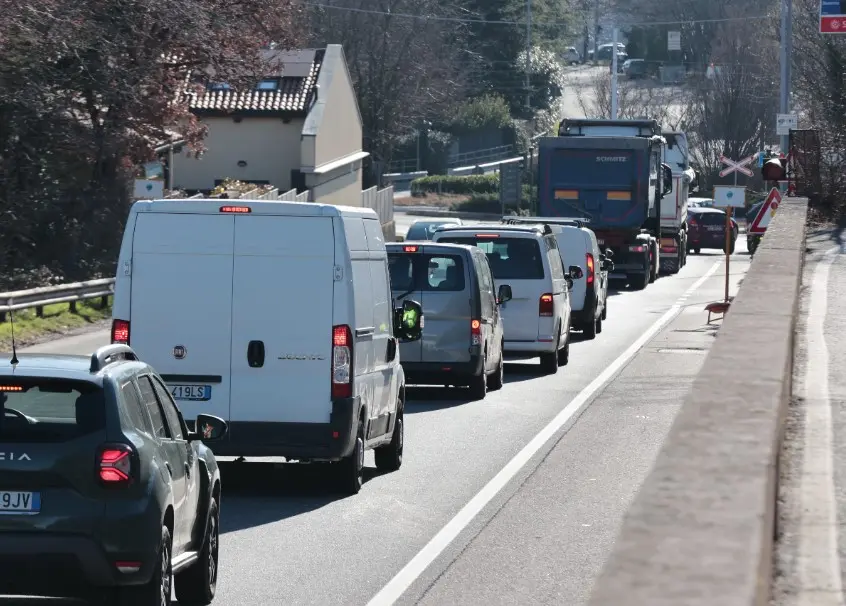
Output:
x=768 y=209
x=733 y=197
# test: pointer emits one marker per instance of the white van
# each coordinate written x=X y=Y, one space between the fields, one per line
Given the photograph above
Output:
x=275 y=316
x=537 y=318
x=578 y=246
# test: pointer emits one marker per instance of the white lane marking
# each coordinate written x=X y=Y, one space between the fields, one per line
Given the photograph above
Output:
x=391 y=592
x=818 y=563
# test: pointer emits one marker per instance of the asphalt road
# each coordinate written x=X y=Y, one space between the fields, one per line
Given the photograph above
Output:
x=541 y=536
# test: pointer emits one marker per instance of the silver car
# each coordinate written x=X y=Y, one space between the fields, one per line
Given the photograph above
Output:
x=462 y=332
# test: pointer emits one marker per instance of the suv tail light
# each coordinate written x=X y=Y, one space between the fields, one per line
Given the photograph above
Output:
x=115 y=466
x=120 y=332
x=591 y=270
x=476 y=332
x=545 y=305
x=342 y=355
x=637 y=249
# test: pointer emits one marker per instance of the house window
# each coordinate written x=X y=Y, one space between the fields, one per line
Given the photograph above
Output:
x=219 y=86
x=268 y=84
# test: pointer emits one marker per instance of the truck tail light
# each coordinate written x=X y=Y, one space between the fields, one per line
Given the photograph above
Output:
x=545 y=305
x=120 y=332
x=591 y=270
x=637 y=249
x=476 y=332
x=342 y=355
x=115 y=464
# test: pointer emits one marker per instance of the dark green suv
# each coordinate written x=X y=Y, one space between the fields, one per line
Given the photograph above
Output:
x=104 y=492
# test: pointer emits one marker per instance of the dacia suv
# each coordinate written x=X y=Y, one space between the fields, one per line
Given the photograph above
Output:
x=104 y=492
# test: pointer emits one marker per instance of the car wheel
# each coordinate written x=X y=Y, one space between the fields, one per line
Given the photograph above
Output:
x=599 y=325
x=498 y=377
x=198 y=584
x=564 y=354
x=479 y=384
x=351 y=468
x=156 y=592
x=605 y=310
x=697 y=250
x=589 y=329
x=389 y=457
x=549 y=361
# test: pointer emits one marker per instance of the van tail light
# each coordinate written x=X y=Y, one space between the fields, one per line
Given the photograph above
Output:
x=476 y=332
x=545 y=305
x=342 y=354
x=120 y=332
x=591 y=270
x=115 y=466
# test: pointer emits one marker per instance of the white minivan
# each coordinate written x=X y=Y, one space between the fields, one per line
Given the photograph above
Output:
x=536 y=320
x=275 y=316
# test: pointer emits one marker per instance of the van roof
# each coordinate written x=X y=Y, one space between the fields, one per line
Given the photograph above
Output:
x=536 y=229
x=196 y=206
x=427 y=245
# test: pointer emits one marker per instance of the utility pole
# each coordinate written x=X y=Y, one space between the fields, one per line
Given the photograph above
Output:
x=528 y=54
x=595 y=30
x=614 y=99
x=786 y=55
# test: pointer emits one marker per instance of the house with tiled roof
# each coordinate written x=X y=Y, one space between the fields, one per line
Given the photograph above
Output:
x=299 y=127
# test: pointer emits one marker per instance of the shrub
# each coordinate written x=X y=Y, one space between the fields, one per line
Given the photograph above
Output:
x=455 y=184
x=490 y=204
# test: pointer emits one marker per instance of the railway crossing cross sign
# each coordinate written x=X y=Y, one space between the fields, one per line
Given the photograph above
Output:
x=732 y=166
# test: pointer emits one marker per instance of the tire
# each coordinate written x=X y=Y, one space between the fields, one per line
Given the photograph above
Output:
x=697 y=250
x=549 y=361
x=389 y=457
x=197 y=585
x=639 y=282
x=157 y=591
x=351 y=469
x=564 y=354
x=589 y=329
x=498 y=377
x=479 y=384
x=599 y=325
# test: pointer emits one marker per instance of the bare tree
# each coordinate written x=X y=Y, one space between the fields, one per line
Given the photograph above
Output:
x=636 y=99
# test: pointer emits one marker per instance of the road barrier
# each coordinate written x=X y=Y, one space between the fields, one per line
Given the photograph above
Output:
x=701 y=531
x=72 y=293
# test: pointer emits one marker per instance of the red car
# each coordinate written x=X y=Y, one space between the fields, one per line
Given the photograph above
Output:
x=707 y=229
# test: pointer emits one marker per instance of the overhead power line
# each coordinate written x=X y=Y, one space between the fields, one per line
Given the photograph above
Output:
x=367 y=11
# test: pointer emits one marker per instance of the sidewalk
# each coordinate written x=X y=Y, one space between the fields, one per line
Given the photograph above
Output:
x=809 y=559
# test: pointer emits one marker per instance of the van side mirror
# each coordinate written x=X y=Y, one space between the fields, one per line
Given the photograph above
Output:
x=569 y=282
x=609 y=254
x=408 y=321
x=576 y=272
x=667 y=176
x=208 y=428
x=504 y=294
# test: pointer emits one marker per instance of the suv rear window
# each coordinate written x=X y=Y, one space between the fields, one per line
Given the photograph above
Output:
x=712 y=219
x=49 y=410
x=429 y=272
x=509 y=258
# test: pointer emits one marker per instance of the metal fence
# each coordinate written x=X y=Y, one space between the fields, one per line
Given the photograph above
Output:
x=40 y=297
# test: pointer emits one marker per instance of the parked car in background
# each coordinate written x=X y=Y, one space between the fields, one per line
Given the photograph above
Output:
x=104 y=490
x=635 y=69
x=461 y=344
x=697 y=202
x=707 y=229
x=572 y=56
x=423 y=230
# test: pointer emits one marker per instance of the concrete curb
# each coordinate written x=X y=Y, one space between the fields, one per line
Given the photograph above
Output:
x=701 y=530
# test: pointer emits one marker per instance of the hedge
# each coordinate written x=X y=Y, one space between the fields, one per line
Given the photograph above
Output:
x=455 y=184
x=489 y=203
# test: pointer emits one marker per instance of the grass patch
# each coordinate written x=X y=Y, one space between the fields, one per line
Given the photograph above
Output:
x=57 y=320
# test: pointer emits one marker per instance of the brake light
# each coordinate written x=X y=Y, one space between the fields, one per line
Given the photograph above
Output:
x=692 y=222
x=590 y=268
x=342 y=352
x=410 y=248
x=11 y=388
x=476 y=332
x=545 y=305
x=114 y=464
x=487 y=235
x=637 y=249
x=241 y=210
x=120 y=332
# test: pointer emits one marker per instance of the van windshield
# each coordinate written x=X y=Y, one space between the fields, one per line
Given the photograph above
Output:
x=509 y=258
x=429 y=272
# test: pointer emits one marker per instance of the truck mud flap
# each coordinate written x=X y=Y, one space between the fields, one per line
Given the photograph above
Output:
x=669 y=267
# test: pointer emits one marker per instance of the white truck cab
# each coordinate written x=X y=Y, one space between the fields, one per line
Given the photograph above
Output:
x=275 y=316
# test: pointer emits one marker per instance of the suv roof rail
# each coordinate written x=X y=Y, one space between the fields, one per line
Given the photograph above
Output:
x=109 y=354
x=547 y=221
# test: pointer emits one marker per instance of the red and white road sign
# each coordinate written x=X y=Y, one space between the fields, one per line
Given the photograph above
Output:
x=732 y=166
x=765 y=215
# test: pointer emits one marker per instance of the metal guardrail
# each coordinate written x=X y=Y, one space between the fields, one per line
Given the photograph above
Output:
x=701 y=530
x=40 y=297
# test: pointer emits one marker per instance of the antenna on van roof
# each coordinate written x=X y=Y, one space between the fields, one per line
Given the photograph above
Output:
x=14 y=345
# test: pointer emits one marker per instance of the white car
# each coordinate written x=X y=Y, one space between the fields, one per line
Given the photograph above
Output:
x=700 y=202
x=579 y=247
x=536 y=320
x=275 y=316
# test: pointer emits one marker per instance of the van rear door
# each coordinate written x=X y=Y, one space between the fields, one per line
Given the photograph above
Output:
x=573 y=248
x=446 y=305
x=282 y=301
x=180 y=310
